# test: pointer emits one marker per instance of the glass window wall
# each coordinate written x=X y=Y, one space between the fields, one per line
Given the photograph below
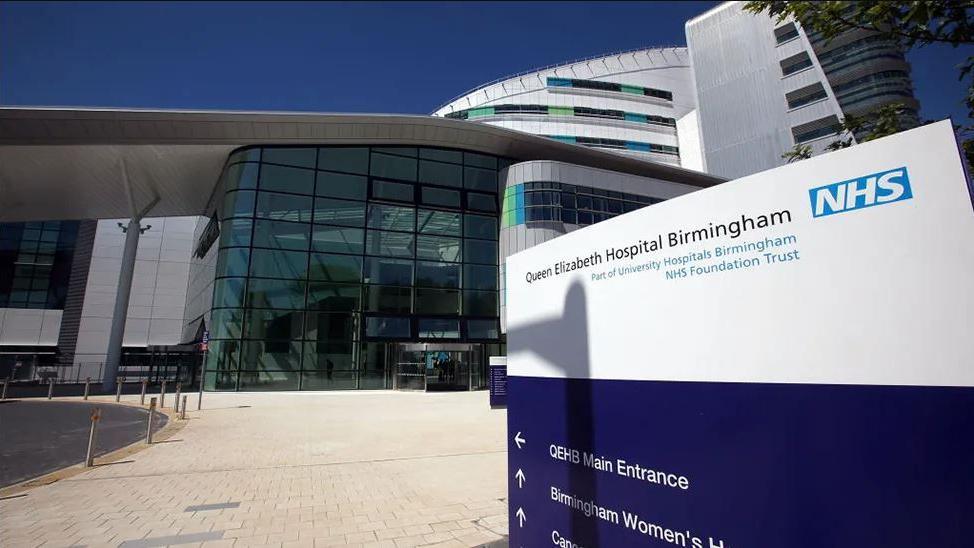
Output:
x=330 y=254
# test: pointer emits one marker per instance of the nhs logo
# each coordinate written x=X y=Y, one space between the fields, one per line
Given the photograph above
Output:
x=880 y=188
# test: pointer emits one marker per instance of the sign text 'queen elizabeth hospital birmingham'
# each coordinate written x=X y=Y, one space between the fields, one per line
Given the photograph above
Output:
x=782 y=360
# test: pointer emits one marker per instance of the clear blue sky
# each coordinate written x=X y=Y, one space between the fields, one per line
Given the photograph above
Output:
x=332 y=57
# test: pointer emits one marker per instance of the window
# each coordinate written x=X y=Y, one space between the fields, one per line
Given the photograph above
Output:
x=480 y=251
x=268 y=263
x=479 y=277
x=440 y=197
x=226 y=323
x=239 y=204
x=245 y=155
x=299 y=157
x=338 y=329
x=805 y=95
x=229 y=292
x=479 y=160
x=235 y=232
x=480 y=303
x=785 y=33
x=440 y=174
x=434 y=328
x=437 y=301
x=389 y=244
x=483 y=329
x=443 y=275
x=438 y=248
x=284 y=207
x=346 y=159
x=287 y=179
x=337 y=240
x=340 y=185
x=438 y=222
x=388 y=271
x=480 y=179
x=339 y=212
x=795 y=63
x=482 y=202
x=273 y=324
x=387 y=327
x=281 y=235
x=476 y=226
x=288 y=294
x=335 y=268
x=333 y=297
x=241 y=176
x=388 y=299
x=388 y=190
x=393 y=167
x=814 y=130
x=232 y=262
x=390 y=217
x=450 y=156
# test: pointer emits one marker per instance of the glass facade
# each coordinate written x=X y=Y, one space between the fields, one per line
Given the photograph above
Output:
x=35 y=263
x=330 y=257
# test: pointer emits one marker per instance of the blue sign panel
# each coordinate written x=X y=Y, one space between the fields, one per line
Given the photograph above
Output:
x=643 y=463
x=498 y=385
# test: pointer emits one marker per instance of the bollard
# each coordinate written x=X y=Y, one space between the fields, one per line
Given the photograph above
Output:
x=6 y=382
x=162 y=395
x=142 y=399
x=90 y=457
x=50 y=388
x=118 y=391
x=179 y=389
x=87 y=386
x=182 y=410
x=148 y=430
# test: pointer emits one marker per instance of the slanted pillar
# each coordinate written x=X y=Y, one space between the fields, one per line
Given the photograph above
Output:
x=132 y=232
x=122 y=294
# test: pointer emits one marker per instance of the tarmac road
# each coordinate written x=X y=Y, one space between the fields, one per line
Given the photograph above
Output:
x=38 y=437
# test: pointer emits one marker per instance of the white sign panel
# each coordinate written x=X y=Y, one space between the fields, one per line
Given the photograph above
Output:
x=796 y=345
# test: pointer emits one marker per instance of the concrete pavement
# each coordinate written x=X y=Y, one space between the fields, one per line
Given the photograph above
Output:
x=388 y=469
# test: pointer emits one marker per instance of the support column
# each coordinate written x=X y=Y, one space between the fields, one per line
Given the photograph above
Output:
x=120 y=314
x=122 y=294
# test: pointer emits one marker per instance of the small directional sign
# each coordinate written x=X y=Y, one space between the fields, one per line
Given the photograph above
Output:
x=521 y=518
x=520 y=478
x=519 y=440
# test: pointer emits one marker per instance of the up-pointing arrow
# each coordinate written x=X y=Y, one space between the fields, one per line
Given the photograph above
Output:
x=520 y=478
x=519 y=440
x=520 y=517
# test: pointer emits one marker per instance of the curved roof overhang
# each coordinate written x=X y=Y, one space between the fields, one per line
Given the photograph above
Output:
x=63 y=163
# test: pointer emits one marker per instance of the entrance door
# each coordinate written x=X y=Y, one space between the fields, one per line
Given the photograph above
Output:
x=447 y=370
x=435 y=367
x=411 y=370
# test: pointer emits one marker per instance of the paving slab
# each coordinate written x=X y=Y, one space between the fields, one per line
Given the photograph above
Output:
x=297 y=469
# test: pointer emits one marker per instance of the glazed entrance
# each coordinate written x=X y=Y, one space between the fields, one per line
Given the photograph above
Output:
x=439 y=367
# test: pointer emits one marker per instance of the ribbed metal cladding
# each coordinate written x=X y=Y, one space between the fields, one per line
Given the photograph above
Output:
x=71 y=319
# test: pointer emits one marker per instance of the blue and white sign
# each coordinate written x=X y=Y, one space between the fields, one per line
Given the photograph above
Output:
x=497 y=381
x=746 y=367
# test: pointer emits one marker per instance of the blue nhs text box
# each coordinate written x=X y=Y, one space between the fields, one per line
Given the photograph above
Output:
x=884 y=187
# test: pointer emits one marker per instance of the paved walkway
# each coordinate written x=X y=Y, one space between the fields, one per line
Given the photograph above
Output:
x=388 y=469
x=43 y=436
